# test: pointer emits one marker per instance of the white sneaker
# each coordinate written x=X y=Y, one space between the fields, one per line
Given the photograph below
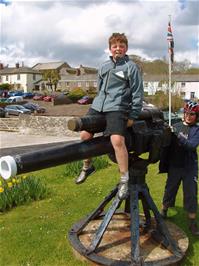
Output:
x=123 y=190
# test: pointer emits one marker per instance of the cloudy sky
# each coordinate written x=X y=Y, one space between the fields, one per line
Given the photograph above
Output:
x=77 y=31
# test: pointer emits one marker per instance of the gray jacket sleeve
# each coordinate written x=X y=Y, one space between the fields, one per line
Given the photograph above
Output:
x=137 y=89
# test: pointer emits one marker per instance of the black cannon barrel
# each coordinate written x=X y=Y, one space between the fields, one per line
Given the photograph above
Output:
x=32 y=161
x=97 y=124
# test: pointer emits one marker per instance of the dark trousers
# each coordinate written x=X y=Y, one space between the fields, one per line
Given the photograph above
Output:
x=189 y=185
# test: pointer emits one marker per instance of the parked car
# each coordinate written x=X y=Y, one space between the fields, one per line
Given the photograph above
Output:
x=174 y=117
x=14 y=99
x=180 y=113
x=49 y=98
x=3 y=100
x=146 y=105
x=38 y=97
x=28 y=95
x=16 y=109
x=15 y=93
x=34 y=108
x=85 y=100
x=2 y=113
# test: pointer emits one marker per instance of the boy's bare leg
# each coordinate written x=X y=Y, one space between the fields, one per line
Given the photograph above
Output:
x=121 y=155
x=87 y=168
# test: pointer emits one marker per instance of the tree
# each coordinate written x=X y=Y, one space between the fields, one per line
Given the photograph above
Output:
x=52 y=77
x=182 y=66
x=192 y=71
x=160 y=99
x=5 y=86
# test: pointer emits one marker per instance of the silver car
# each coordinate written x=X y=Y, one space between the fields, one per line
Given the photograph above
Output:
x=16 y=109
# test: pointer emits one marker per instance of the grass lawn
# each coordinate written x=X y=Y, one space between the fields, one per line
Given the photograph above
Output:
x=36 y=234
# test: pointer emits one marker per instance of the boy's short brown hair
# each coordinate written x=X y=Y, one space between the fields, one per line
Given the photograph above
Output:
x=118 y=37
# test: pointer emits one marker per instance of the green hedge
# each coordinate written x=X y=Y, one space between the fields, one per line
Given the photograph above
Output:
x=76 y=94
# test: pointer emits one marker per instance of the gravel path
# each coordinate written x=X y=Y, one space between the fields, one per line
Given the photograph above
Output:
x=64 y=109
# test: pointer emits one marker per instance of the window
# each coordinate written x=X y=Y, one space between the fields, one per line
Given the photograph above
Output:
x=87 y=84
x=192 y=94
x=18 y=76
x=6 y=78
x=182 y=84
x=95 y=84
x=146 y=84
x=79 y=84
x=34 y=76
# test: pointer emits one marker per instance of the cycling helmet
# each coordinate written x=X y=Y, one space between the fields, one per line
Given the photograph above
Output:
x=192 y=107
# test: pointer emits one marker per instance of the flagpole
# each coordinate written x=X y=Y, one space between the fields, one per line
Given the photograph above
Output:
x=169 y=81
x=169 y=90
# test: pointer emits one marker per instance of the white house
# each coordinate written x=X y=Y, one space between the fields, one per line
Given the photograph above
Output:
x=185 y=85
x=21 y=78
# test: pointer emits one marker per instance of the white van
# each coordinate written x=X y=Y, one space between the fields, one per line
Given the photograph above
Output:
x=14 y=99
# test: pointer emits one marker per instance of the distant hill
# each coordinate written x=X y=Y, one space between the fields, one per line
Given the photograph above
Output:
x=159 y=66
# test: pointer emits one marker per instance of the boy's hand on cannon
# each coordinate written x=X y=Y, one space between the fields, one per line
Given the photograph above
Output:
x=130 y=123
x=180 y=129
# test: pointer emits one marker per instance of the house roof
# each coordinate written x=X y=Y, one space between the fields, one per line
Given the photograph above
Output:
x=88 y=70
x=174 y=77
x=186 y=77
x=18 y=70
x=50 y=65
x=71 y=70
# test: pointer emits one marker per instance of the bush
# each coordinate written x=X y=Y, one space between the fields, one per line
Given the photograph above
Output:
x=160 y=100
x=5 y=86
x=76 y=94
x=17 y=191
x=92 y=91
x=73 y=169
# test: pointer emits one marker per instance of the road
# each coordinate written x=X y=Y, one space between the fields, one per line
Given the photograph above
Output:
x=12 y=143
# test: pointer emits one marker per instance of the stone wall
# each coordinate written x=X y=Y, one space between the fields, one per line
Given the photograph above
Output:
x=44 y=125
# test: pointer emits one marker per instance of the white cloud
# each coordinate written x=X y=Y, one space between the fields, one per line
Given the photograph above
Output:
x=77 y=31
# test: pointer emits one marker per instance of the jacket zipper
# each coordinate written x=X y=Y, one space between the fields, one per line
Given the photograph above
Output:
x=105 y=90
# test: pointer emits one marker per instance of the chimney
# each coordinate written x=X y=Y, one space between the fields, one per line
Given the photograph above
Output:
x=78 y=72
x=17 y=65
x=1 y=66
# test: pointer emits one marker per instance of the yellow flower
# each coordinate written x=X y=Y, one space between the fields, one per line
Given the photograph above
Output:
x=13 y=180
x=9 y=184
x=18 y=181
x=0 y=182
x=24 y=176
x=1 y=189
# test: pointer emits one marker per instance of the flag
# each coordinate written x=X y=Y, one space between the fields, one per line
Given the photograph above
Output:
x=170 y=43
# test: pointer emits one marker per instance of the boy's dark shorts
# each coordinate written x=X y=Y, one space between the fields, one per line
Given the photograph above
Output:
x=116 y=122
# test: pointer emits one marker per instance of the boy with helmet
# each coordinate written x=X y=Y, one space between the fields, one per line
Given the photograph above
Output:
x=183 y=165
x=119 y=101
